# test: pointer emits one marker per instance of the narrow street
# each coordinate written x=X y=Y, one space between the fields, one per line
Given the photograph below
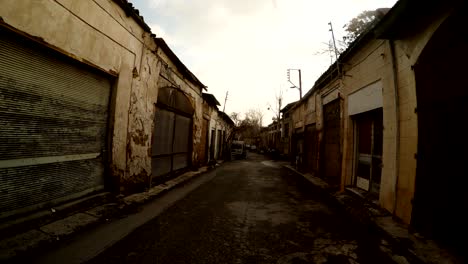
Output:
x=252 y=211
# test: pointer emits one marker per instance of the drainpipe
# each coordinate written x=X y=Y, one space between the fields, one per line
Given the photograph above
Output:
x=397 y=125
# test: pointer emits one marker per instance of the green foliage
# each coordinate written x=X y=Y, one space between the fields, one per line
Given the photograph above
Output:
x=360 y=23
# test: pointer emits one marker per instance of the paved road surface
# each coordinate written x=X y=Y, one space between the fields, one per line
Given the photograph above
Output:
x=253 y=211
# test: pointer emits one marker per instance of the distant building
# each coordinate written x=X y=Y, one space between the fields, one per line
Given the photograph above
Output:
x=219 y=129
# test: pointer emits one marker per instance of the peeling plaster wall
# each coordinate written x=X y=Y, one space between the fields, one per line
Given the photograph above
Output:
x=100 y=34
x=204 y=142
x=141 y=127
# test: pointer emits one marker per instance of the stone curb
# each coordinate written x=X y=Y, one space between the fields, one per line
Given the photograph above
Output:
x=138 y=199
x=48 y=235
x=411 y=249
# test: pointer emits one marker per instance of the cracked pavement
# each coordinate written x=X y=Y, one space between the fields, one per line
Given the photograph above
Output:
x=252 y=211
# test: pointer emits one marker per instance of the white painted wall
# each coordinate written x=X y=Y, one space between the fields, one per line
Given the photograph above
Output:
x=366 y=99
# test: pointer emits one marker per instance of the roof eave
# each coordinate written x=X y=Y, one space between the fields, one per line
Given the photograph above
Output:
x=181 y=66
x=210 y=98
x=133 y=12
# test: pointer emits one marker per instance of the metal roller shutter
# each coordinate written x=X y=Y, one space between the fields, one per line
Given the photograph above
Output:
x=171 y=142
x=53 y=121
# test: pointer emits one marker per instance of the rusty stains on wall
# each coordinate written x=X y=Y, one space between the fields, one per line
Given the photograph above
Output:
x=141 y=122
x=139 y=137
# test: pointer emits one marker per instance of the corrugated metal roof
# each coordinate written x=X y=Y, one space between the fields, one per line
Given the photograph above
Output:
x=181 y=67
x=288 y=106
x=130 y=10
x=226 y=118
x=211 y=99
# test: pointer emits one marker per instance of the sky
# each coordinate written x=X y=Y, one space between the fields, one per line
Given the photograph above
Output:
x=245 y=47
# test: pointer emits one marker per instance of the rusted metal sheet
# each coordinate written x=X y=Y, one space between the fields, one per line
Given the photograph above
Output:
x=53 y=125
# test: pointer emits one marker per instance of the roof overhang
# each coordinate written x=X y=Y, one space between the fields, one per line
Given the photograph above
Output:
x=211 y=99
x=178 y=63
x=407 y=16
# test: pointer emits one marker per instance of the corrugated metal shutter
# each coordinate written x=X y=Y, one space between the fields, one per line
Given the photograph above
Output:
x=162 y=142
x=171 y=142
x=171 y=148
x=53 y=121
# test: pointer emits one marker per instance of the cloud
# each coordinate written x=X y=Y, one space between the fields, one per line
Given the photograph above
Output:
x=245 y=46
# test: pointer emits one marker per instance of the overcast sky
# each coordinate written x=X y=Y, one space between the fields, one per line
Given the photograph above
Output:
x=245 y=46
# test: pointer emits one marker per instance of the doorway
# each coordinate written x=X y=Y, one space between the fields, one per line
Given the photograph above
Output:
x=369 y=141
x=440 y=199
x=331 y=145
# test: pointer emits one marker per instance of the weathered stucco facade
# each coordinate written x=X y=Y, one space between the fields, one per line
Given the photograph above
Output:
x=98 y=33
x=222 y=126
x=376 y=82
x=111 y=38
x=370 y=64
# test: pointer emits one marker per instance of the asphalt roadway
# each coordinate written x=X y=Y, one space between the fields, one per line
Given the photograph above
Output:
x=250 y=211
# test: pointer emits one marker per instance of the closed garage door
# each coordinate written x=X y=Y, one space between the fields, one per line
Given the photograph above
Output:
x=53 y=120
x=172 y=142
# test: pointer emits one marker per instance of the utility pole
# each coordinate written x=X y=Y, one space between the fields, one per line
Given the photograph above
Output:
x=225 y=100
x=300 y=84
x=300 y=81
x=333 y=38
x=279 y=108
x=334 y=46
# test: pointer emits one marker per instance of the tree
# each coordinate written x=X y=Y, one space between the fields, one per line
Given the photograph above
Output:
x=236 y=118
x=360 y=23
x=250 y=126
x=277 y=106
x=255 y=116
